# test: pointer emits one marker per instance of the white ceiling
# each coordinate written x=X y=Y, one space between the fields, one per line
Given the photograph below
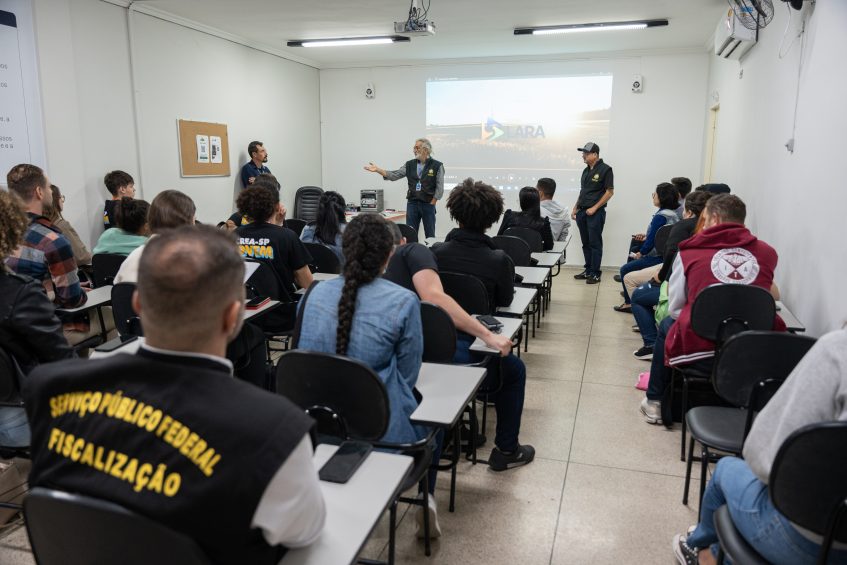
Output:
x=465 y=28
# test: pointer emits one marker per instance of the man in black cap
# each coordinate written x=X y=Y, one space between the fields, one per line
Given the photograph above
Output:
x=596 y=189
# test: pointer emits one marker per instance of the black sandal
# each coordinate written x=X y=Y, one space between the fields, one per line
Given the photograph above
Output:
x=625 y=308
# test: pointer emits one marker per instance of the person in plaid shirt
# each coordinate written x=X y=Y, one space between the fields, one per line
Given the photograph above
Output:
x=45 y=254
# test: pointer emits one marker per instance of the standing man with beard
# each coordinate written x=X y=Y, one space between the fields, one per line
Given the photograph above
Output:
x=596 y=189
x=425 y=176
x=256 y=165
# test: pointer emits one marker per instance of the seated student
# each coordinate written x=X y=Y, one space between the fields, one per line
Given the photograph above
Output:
x=264 y=239
x=238 y=219
x=683 y=187
x=559 y=216
x=466 y=249
x=207 y=455
x=329 y=224
x=30 y=332
x=665 y=199
x=703 y=260
x=529 y=217
x=347 y=316
x=82 y=255
x=715 y=188
x=815 y=392
x=646 y=296
x=120 y=185
x=132 y=228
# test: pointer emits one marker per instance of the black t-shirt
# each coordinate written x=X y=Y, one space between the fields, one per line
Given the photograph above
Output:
x=407 y=261
x=109 y=213
x=276 y=244
x=595 y=182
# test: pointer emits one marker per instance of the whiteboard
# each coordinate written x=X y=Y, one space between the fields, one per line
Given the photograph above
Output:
x=21 y=124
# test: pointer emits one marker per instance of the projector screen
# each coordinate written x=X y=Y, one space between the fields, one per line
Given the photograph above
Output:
x=509 y=132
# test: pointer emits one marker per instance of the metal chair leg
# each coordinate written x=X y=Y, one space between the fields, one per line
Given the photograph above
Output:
x=704 y=465
x=688 y=470
x=392 y=531
x=425 y=487
x=684 y=410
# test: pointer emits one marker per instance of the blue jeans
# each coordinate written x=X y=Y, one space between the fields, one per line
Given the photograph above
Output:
x=417 y=211
x=14 y=429
x=508 y=401
x=660 y=376
x=636 y=265
x=591 y=233
x=644 y=299
x=754 y=516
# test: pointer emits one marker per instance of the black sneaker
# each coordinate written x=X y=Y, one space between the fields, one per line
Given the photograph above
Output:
x=617 y=278
x=684 y=553
x=499 y=461
x=645 y=353
x=592 y=279
x=582 y=276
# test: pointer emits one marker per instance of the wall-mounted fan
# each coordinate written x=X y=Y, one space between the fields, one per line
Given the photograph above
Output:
x=753 y=14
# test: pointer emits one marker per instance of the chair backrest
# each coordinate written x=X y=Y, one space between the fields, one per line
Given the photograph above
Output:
x=72 y=529
x=409 y=233
x=529 y=235
x=723 y=310
x=807 y=483
x=749 y=359
x=324 y=259
x=295 y=224
x=661 y=239
x=265 y=281
x=10 y=379
x=515 y=248
x=467 y=290
x=105 y=266
x=345 y=396
x=127 y=321
x=439 y=334
x=306 y=203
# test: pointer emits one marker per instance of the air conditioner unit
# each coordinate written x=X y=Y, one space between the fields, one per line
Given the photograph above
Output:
x=732 y=39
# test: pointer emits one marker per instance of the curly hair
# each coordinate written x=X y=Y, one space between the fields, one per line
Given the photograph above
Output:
x=668 y=196
x=258 y=203
x=475 y=205
x=131 y=214
x=367 y=243
x=330 y=217
x=13 y=223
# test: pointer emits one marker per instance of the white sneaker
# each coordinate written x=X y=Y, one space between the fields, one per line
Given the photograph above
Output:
x=652 y=410
x=434 y=527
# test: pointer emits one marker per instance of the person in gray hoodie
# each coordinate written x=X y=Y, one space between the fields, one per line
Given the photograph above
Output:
x=560 y=216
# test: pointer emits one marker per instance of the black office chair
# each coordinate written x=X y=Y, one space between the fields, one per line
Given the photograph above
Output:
x=749 y=369
x=295 y=224
x=439 y=334
x=515 y=248
x=719 y=312
x=11 y=377
x=324 y=259
x=72 y=529
x=127 y=321
x=529 y=235
x=661 y=239
x=409 y=233
x=306 y=203
x=106 y=266
x=806 y=485
x=278 y=324
x=349 y=401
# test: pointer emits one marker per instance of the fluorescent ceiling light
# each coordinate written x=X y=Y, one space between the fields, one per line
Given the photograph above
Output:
x=345 y=41
x=582 y=28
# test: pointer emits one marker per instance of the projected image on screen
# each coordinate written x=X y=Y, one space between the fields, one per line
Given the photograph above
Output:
x=511 y=132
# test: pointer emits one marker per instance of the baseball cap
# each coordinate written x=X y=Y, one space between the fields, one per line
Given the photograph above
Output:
x=590 y=147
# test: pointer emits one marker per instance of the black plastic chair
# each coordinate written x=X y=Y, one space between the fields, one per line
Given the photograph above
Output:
x=516 y=248
x=409 y=233
x=439 y=334
x=468 y=291
x=278 y=324
x=306 y=203
x=72 y=529
x=528 y=235
x=806 y=485
x=11 y=377
x=719 y=312
x=295 y=224
x=749 y=369
x=106 y=266
x=127 y=321
x=324 y=259
x=349 y=402
x=661 y=239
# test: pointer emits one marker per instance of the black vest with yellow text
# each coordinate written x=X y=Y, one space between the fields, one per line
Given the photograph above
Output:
x=175 y=439
x=428 y=175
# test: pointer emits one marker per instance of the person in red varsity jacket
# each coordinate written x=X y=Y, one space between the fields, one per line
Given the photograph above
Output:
x=724 y=251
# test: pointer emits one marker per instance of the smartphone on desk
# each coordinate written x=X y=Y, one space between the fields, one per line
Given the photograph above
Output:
x=490 y=322
x=256 y=302
x=114 y=344
x=345 y=461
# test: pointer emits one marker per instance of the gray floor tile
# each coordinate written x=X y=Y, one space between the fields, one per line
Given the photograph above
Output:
x=610 y=361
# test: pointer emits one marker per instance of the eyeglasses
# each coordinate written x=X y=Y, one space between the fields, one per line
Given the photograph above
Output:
x=62 y=198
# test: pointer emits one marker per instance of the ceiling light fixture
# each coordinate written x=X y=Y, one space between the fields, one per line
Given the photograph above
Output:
x=345 y=41
x=582 y=28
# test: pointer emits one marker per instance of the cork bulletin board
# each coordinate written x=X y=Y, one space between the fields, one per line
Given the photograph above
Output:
x=203 y=149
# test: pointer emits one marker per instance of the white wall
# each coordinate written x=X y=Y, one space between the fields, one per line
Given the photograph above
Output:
x=795 y=201
x=84 y=60
x=654 y=135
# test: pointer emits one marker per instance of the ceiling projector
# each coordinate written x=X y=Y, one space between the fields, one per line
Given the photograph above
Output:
x=414 y=29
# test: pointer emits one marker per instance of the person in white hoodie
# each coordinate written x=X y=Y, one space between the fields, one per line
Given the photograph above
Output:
x=560 y=216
